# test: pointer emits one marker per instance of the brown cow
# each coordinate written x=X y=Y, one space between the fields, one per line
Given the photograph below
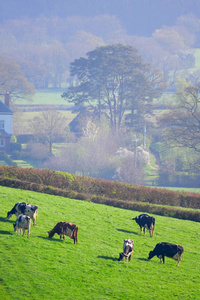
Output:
x=65 y=228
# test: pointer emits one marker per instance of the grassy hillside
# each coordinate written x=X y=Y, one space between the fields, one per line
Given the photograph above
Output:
x=43 y=268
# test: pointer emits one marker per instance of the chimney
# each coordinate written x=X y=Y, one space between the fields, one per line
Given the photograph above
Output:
x=7 y=99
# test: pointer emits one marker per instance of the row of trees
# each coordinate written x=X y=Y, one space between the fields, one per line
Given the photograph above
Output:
x=44 y=47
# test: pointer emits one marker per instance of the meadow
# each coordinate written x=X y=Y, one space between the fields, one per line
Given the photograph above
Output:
x=43 y=268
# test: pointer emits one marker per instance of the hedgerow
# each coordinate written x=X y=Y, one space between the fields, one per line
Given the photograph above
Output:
x=107 y=192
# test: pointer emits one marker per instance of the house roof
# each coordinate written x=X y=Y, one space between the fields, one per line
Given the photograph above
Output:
x=5 y=109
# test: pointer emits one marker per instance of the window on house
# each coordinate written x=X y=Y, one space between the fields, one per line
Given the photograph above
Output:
x=1 y=124
x=2 y=142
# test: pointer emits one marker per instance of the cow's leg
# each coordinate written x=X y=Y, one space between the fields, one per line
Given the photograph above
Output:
x=144 y=229
x=163 y=258
x=152 y=232
x=179 y=259
x=141 y=229
x=23 y=231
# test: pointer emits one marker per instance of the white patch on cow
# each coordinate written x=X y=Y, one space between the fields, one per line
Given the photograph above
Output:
x=68 y=232
x=176 y=256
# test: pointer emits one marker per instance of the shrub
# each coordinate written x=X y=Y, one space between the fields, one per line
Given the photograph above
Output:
x=15 y=147
x=16 y=155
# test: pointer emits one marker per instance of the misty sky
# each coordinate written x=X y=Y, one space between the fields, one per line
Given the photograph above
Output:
x=138 y=17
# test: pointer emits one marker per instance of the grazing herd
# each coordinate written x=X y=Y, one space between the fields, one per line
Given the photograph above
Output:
x=25 y=212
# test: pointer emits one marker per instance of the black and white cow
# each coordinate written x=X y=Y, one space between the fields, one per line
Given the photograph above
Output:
x=23 y=222
x=24 y=209
x=128 y=249
x=166 y=249
x=146 y=221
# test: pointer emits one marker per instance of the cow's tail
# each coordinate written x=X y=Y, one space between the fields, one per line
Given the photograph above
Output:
x=76 y=235
x=36 y=211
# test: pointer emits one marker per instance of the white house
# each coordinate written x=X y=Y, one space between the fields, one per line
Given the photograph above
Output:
x=6 y=121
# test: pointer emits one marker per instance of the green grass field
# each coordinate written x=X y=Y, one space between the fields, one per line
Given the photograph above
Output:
x=43 y=268
x=46 y=97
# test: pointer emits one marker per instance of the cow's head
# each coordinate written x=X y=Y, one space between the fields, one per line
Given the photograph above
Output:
x=151 y=255
x=121 y=256
x=50 y=233
x=9 y=215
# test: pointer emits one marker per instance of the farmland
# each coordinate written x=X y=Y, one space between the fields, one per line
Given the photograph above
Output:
x=43 y=268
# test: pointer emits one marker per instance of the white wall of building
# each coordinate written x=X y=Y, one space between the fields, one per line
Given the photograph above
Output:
x=7 y=119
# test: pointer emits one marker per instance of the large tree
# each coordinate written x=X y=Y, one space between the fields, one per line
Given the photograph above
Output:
x=114 y=79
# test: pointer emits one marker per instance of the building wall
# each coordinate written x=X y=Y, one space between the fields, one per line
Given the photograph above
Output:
x=8 y=119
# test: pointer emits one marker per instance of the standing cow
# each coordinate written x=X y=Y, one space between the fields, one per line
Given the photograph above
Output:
x=23 y=222
x=146 y=221
x=65 y=228
x=167 y=249
x=25 y=209
x=128 y=249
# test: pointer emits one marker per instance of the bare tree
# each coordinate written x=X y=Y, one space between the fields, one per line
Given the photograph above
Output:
x=48 y=127
x=13 y=80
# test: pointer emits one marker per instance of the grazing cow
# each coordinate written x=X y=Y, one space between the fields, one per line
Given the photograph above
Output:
x=167 y=249
x=23 y=222
x=128 y=249
x=146 y=221
x=65 y=228
x=25 y=209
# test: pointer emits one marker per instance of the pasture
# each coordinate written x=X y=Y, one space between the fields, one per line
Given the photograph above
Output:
x=43 y=268
x=46 y=97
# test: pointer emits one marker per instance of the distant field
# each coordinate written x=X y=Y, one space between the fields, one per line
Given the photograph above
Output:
x=46 y=97
x=43 y=268
x=22 y=120
x=190 y=190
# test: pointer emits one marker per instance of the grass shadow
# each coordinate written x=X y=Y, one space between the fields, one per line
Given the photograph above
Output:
x=143 y=259
x=50 y=239
x=107 y=257
x=128 y=231
x=5 y=232
x=6 y=220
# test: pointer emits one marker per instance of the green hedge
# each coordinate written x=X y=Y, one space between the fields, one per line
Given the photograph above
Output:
x=83 y=185
x=150 y=208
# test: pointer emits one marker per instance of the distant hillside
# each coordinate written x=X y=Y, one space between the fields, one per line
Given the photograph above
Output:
x=131 y=13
